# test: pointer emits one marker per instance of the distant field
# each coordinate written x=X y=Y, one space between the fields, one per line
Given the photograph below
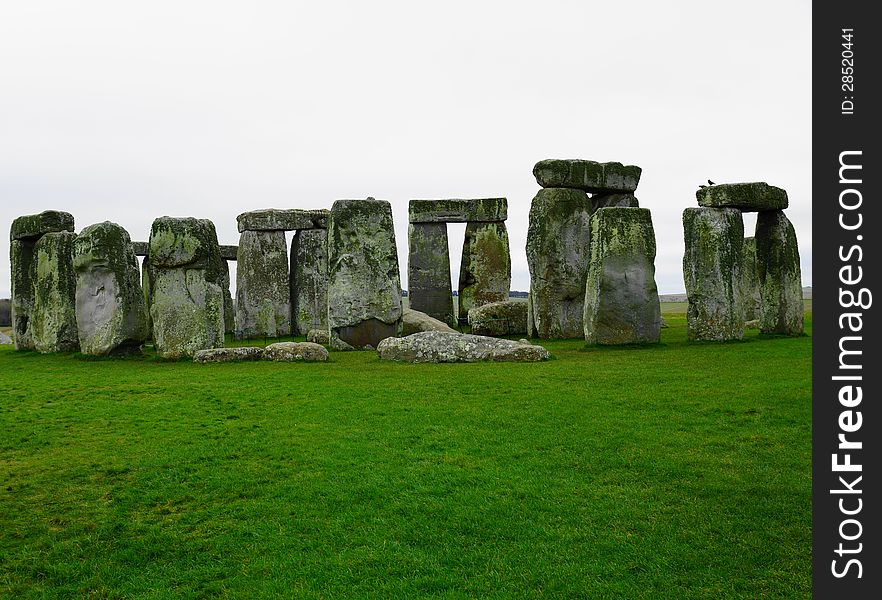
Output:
x=674 y=471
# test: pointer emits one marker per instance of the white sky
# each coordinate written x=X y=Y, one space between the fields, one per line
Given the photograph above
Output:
x=127 y=111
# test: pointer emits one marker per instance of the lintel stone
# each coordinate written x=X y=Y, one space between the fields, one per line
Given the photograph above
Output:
x=458 y=210
x=33 y=226
x=282 y=219
x=747 y=197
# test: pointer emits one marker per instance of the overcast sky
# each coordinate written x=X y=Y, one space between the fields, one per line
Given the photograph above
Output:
x=127 y=111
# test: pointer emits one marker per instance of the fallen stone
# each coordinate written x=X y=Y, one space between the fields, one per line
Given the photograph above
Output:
x=508 y=317
x=263 y=294
x=275 y=219
x=613 y=201
x=414 y=321
x=712 y=267
x=364 y=285
x=54 y=316
x=223 y=355
x=321 y=336
x=752 y=324
x=485 y=269
x=110 y=308
x=588 y=175
x=4 y=339
x=444 y=347
x=481 y=210
x=777 y=259
x=309 y=280
x=751 y=295
x=558 y=254
x=295 y=352
x=746 y=197
x=621 y=297
x=428 y=268
x=33 y=226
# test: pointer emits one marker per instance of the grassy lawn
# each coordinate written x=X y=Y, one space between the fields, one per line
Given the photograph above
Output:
x=675 y=471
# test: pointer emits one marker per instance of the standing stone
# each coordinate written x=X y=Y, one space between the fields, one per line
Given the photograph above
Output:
x=712 y=271
x=187 y=301
x=54 y=317
x=428 y=271
x=263 y=294
x=147 y=276
x=780 y=279
x=364 y=285
x=110 y=307
x=309 y=280
x=485 y=270
x=621 y=297
x=558 y=252
x=751 y=295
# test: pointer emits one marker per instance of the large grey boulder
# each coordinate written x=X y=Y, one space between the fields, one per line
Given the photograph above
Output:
x=780 y=278
x=225 y=355
x=456 y=210
x=428 y=268
x=621 y=297
x=187 y=300
x=746 y=197
x=588 y=175
x=295 y=352
x=54 y=317
x=558 y=253
x=485 y=269
x=712 y=271
x=309 y=280
x=508 y=317
x=282 y=219
x=414 y=321
x=751 y=295
x=364 y=284
x=5 y=339
x=110 y=309
x=263 y=293
x=441 y=347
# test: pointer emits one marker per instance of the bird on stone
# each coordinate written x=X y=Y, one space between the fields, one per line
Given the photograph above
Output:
x=709 y=182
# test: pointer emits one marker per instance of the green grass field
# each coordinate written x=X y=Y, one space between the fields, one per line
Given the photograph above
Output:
x=674 y=471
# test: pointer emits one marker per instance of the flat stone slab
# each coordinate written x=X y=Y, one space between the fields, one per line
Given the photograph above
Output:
x=441 y=347
x=746 y=197
x=224 y=355
x=226 y=252
x=295 y=352
x=456 y=210
x=283 y=219
x=588 y=175
x=33 y=226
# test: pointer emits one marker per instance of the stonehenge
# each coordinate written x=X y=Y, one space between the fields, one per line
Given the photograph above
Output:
x=309 y=280
x=54 y=317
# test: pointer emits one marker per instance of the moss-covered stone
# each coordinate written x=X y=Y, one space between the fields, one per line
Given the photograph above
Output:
x=587 y=175
x=485 y=270
x=713 y=271
x=111 y=315
x=746 y=197
x=263 y=294
x=283 y=219
x=621 y=297
x=428 y=271
x=54 y=317
x=499 y=318
x=614 y=201
x=309 y=280
x=780 y=277
x=751 y=295
x=364 y=283
x=33 y=226
x=184 y=242
x=187 y=313
x=457 y=210
x=558 y=253
x=21 y=256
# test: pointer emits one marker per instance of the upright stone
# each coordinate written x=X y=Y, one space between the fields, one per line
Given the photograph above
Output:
x=364 y=286
x=111 y=316
x=187 y=300
x=780 y=279
x=309 y=280
x=712 y=271
x=558 y=253
x=485 y=270
x=428 y=271
x=263 y=294
x=621 y=297
x=54 y=318
x=751 y=295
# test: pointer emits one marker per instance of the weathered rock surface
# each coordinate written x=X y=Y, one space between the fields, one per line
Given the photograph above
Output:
x=485 y=270
x=276 y=219
x=263 y=293
x=54 y=317
x=322 y=336
x=33 y=226
x=588 y=175
x=712 y=272
x=746 y=197
x=295 y=352
x=4 y=339
x=621 y=297
x=777 y=259
x=309 y=280
x=110 y=309
x=613 y=201
x=428 y=267
x=508 y=317
x=414 y=321
x=21 y=257
x=364 y=285
x=558 y=253
x=223 y=355
x=479 y=210
x=442 y=347
x=751 y=295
